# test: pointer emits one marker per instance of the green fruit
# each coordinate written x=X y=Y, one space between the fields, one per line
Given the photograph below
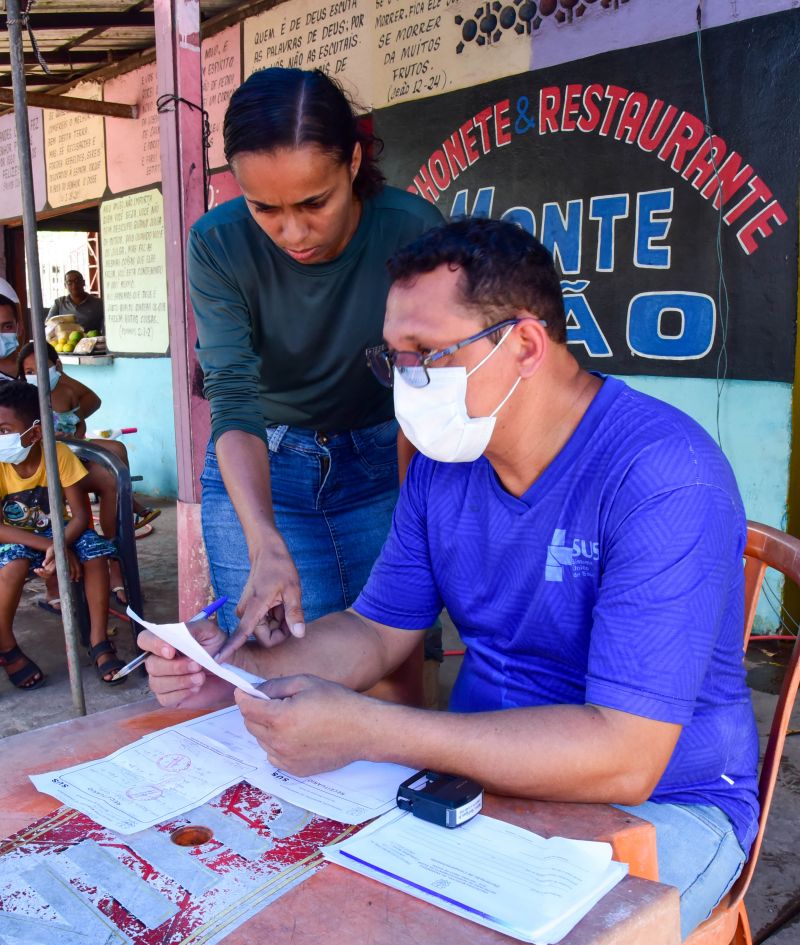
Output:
x=69 y=346
x=94 y=333
x=75 y=336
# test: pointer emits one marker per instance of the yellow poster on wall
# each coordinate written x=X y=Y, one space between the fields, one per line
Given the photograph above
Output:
x=426 y=47
x=134 y=273
x=308 y=34
x=74 y=152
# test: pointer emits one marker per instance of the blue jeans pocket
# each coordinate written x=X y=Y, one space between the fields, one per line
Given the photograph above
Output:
x=376 y=447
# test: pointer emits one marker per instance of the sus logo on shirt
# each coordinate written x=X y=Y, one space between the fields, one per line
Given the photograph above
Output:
x=579 y=556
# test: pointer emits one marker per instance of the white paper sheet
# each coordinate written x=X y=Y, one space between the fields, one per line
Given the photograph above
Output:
x=179 y=636
x=358 y=792
x=154 y=779
x=488 y=871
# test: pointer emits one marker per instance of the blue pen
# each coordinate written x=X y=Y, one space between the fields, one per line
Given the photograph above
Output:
x=204 y=614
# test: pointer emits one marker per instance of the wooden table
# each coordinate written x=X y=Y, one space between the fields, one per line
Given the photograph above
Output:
x=336 y=907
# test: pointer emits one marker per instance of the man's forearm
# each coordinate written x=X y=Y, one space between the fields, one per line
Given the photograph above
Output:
x=340 y=647
x=561 y=753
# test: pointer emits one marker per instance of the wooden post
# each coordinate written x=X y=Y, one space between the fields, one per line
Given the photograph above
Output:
x=179 y=73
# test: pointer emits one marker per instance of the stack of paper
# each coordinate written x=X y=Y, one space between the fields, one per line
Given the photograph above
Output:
x=488 y=871
x=170 y=772
x=352 y=795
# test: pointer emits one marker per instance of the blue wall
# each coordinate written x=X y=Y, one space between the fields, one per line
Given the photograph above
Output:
x=755 y=428
x=137 y=392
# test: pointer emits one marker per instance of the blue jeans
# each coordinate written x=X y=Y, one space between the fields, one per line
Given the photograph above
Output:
x=333 y=496
x=697 y=852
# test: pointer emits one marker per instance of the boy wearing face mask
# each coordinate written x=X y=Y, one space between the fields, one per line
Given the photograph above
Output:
x=26 y=536
x=587 y=542
x=72 y=402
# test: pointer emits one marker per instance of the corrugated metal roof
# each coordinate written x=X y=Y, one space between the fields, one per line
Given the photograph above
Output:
x=75 y=38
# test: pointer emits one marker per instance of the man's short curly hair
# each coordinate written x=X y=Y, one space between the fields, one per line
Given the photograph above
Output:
x=22 y=399
x=504 y=270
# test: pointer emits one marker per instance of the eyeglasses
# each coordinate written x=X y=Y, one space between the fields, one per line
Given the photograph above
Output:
x=413 y=366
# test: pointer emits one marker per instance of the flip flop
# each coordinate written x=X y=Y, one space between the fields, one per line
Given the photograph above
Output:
x=115 y=593
x=52 y=606
x=20 y=676
x=143 y=532
x=140 y=519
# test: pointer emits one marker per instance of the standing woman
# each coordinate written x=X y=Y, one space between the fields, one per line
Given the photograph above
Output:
x=289 y=286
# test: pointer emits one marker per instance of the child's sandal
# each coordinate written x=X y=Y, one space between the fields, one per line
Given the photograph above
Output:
x=140 y=519
x=21 y=676
x=109 y=666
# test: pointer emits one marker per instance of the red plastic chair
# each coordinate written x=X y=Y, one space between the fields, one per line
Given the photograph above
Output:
x=766 y=547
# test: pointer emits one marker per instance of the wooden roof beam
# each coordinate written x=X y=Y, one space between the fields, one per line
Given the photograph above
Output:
x=67 y=103
x=39 y=78
x=63 y=57
x=43 y=22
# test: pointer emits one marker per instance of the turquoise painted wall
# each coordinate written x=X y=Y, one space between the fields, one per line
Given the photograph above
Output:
x=137 y=392
x=755 y=428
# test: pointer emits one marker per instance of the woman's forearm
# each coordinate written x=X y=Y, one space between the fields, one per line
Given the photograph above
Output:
x=244 y=463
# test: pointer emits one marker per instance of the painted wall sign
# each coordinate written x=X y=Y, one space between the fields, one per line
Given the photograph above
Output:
x=333 y=35
x=222 y=187
x=10 y=193
x=134 y=273
x=608 y=162
x=222 y=74
x=133 y=147
x=75 y=152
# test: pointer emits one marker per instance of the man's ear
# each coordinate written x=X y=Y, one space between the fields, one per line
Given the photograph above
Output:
x=33 y=435
x=533 y=342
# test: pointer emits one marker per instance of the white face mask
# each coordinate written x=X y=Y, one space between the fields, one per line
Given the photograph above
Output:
x=8 y=343
x=11 y=448
x=435 y=418
x=52 y=373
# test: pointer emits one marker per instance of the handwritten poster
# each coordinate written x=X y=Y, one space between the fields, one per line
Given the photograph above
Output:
x=426 y=47
x=333 y=36
x=10 y=193
x=222 y=74
x=134 y=273
x=134 y=155
x=74 y=152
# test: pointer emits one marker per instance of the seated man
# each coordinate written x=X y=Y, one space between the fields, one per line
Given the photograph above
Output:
x=86 y=309
x=587 y=542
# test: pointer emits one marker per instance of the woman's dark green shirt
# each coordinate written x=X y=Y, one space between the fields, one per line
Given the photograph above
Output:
x=282 y=342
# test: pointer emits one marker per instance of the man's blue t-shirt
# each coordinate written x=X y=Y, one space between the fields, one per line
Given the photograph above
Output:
x=615 y=580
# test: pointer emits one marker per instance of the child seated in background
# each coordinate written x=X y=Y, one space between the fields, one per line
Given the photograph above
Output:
x=72 y=403
x=26 y=536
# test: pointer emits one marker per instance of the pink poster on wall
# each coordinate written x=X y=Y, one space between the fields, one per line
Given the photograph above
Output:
x=222 y=74
x=10 y=192
x=222 y=187
x=132 y=145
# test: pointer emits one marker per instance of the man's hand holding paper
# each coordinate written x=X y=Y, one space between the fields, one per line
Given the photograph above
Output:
x=183 y=672
x=310 y=724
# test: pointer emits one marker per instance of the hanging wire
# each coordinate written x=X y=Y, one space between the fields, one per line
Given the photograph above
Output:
x=723 y=301
x=163 y=103
x=25 y=22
